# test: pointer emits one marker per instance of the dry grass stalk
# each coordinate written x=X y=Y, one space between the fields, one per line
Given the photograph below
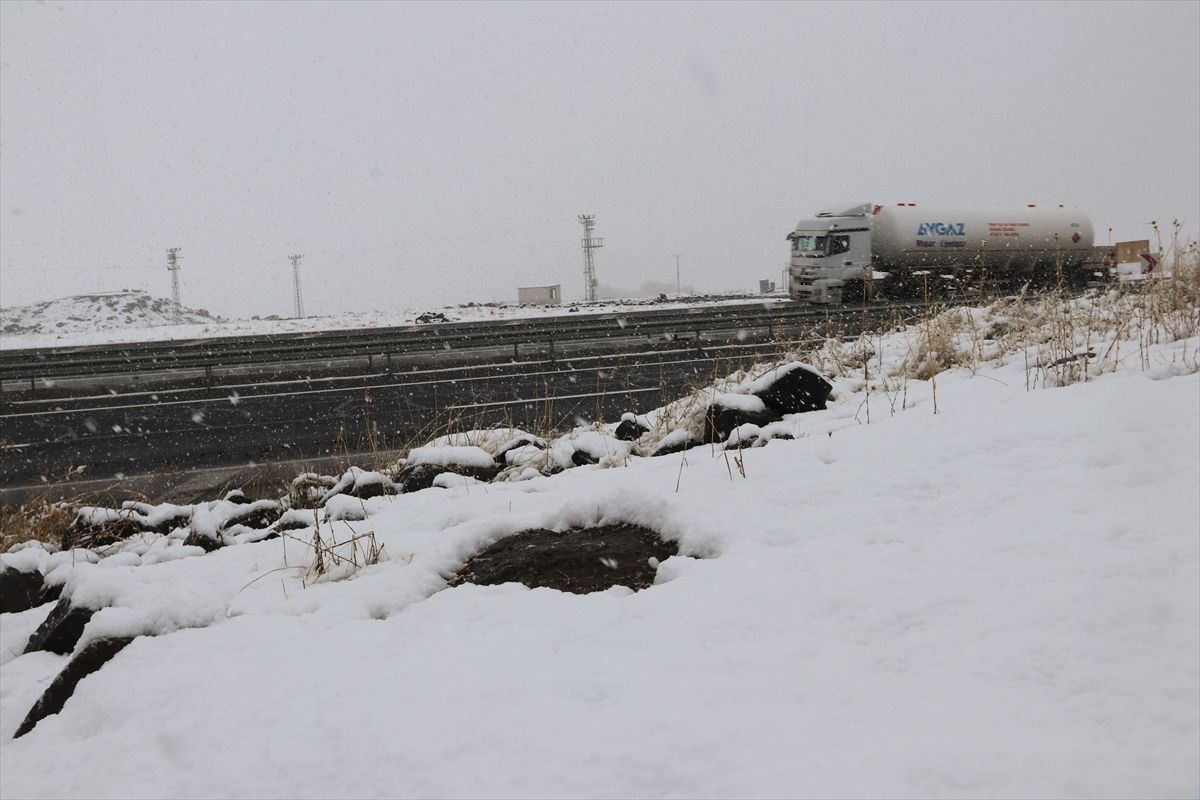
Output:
x=46 y=516
x=325 y=558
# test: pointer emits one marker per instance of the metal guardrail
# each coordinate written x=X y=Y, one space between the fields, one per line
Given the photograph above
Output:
x=142 y=357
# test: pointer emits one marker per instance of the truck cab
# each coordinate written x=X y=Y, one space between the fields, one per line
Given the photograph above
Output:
x=831 y=257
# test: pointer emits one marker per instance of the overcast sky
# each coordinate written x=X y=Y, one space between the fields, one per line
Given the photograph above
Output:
x=422 y=154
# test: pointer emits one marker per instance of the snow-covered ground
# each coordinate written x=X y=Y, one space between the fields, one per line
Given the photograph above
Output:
x=998 y=599
x=135 y=316
x=83 y=317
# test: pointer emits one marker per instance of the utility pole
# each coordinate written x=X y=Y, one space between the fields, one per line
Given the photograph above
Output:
x=173 y=267
x=678 y=290
x=296 y=286
x=589 y=268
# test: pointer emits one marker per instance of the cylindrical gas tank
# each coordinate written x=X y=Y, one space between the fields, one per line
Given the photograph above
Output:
x=1025 y=237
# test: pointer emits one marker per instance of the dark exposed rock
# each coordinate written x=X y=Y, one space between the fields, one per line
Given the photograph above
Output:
x=375 y=485
x=416 y=477
x=292 y=524
x=364 y=491
x=207 y=543
x=431 y=316
x=35 y=584
x=258 y=515
x=796 y=391
x=419 y=476
x=720 y=421
x=91 y=658
x=629 y=431
x=478 y=473
x=166 y=524
x=51 y=594
x=14 y=592
x=520 y=441
x=673 y=447
x=60 y=631
x=581 y=459
x=751 y=440
x=578 y=561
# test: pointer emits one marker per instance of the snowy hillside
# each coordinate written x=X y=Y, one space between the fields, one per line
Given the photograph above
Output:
x=987 y=586
x=93 y=315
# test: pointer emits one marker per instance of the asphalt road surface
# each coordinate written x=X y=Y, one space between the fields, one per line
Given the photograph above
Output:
x=116 y=433
x=127 y=427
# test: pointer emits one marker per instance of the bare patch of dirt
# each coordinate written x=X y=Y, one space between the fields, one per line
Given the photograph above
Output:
x=579 y=561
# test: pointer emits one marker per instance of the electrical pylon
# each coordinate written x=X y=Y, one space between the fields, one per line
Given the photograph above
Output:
x=589 y=266
x=173 y=265
x=296 y=286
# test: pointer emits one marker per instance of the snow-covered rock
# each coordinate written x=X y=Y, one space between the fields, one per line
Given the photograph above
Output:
x=449 y=456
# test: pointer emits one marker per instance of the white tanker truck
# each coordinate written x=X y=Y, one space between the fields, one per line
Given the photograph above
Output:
x=904 y=250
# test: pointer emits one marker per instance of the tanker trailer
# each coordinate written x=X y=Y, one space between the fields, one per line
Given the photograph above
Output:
x=907 y=250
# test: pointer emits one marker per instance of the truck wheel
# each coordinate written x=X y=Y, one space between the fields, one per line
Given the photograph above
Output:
x=853 y=292
x=892 y=287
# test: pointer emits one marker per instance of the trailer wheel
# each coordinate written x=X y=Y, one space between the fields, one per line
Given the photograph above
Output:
x=1075 y=278
x=897 y=286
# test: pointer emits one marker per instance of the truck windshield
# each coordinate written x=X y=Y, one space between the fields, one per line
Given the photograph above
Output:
x=808 y=245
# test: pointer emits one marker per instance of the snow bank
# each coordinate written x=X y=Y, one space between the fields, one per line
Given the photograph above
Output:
x=998 y=598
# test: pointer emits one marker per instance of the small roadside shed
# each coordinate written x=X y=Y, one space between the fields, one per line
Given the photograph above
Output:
x=540 y=295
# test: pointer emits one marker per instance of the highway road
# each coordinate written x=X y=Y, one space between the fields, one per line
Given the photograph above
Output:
x=185 y=415
x=201 y=426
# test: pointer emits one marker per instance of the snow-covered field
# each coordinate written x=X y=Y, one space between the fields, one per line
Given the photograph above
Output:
x=135 y=316
x=998 y=599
